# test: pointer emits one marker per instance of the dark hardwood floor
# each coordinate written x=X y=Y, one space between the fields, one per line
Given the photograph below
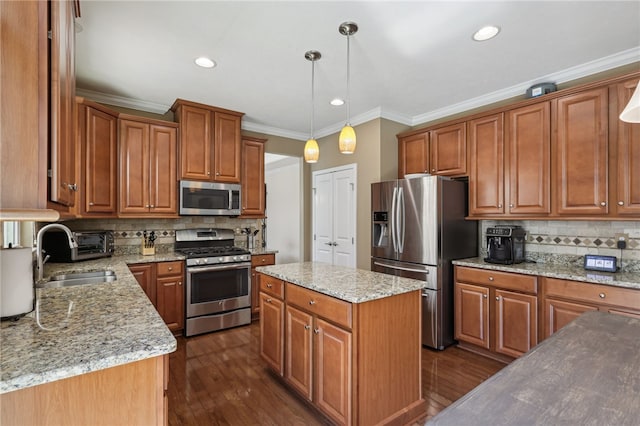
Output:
x=219 y=379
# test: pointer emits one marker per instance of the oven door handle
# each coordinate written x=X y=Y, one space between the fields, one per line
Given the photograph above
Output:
x=198 y=268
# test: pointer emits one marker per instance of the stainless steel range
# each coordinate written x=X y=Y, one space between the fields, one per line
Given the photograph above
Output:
x=218 y=280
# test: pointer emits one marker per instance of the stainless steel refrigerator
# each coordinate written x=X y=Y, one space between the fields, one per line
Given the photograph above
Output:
x=418 y=228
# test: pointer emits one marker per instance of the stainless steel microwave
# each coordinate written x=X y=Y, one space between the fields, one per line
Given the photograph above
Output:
x=209 y=198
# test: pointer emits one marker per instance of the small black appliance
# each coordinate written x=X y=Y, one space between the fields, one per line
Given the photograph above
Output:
x=505 y=244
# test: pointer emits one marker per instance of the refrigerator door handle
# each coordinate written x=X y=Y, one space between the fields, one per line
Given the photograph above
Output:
x=384 y=265
x=393 y=219
x=400 y=220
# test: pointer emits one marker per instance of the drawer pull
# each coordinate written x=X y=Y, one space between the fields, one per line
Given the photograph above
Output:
x=307 y=327
x=602 y=295
x=312 y=302
x=316 y=330
x=170 y=268
x=179 y=282
x=498 y=298
x=269 y=285
x=490 y=278
x=621 y=203
x=603 y=204
x=484 y=295
x=269 y=300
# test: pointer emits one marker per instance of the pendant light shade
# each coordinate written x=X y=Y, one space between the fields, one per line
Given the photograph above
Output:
x=311 y=149
x=631 y=113
x=347 y=139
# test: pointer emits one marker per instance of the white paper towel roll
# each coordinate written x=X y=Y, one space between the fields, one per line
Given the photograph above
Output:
x=16 y=282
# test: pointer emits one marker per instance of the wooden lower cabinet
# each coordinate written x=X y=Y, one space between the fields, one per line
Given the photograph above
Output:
x=496 y=311
x=133 y=394
x=565 y=300
x=356 y=363
x=163 y=284
x=258 y=260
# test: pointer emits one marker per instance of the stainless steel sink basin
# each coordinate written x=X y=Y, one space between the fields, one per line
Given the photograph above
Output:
x=80 y=278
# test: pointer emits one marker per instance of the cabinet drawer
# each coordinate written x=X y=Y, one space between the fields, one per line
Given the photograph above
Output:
x=594 y=293
x=169 y=268
x=330 y=308
x=263 y=259
x=505 y=280
x=272 y=286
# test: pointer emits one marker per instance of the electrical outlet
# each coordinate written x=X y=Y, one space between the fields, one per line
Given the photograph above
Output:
x=621 y=241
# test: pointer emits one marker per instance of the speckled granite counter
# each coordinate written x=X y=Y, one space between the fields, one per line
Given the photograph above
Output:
x=349 y=284
x=261 y=251
x=110 y=324
x=565 y=272
x=585 y=374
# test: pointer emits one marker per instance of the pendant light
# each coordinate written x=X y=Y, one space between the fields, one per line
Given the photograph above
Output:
x=347 y=139
x=631 y=113
x=311 y=149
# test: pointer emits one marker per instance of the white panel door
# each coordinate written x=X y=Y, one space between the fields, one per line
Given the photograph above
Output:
x=334 y=216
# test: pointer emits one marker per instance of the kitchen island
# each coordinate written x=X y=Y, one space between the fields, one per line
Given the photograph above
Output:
x=585 y=374
x=100 y=360
x=347 y=340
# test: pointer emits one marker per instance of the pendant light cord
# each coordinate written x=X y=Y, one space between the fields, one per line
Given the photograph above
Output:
x=313 y=68
x=348 y=82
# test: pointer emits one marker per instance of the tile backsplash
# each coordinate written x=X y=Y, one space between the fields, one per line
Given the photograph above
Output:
x=128 y=233
x=568 y=241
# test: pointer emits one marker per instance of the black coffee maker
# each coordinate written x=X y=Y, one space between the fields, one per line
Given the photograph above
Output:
x=505 y=244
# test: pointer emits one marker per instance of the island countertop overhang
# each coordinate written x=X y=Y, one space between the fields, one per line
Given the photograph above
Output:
x=344 y=283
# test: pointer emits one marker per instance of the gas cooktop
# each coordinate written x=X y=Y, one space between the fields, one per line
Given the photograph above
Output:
x=209 y=246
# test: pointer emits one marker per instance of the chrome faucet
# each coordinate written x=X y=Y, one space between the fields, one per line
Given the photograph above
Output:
x=39 y=259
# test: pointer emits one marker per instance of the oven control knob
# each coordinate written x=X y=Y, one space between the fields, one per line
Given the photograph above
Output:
x=221 y=259
x=235 y=258
x=197 y=261
x=205 y=260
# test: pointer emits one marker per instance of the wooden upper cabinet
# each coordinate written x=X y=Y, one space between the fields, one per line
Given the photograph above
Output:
x=252 y=178
x=448 y=150
x=627 y=160
x=148 y=180
x=63 y=185
x=98 y=147
x=210 y=142
x=486 y=171
x=528 y=159
x=580 y=148
x=413 y=154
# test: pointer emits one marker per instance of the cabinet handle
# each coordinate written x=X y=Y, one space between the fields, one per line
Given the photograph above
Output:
x=264 y=260
x=146 y=206
x=602 y=295
x=269 y=285
x=152 y=206
x=217 y=173
x=484 y=296
x=498 y=298
x=307 y=327
x=433 y=170
x=179 y=282
x=208 y=173
x=316 y=330
x=510 y=206
x=499 y=206
x=603 y=204
x=490 y=278
x=170 y=268
x=90 y=204
x=312 y=302
x=268 y=300
x=621 y=203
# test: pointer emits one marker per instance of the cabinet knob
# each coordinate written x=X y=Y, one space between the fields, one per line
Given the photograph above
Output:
x=179 y=282
x=208 y=173
x=90 y=204
x=316 y=330
x=268 y=300
x=490 y=278
x=484 y=296
x=433 y=170
x=498 y=298
x=264 y=260
x=510 y=206
x=307 y=327
x=152 y=206
x=146 y=206
x=312 y=302
x=170 y=268
x=499 y=206
x=217 y=173
x=621 y=203
x=603 y=204
x=269 y=285
x=602 y=295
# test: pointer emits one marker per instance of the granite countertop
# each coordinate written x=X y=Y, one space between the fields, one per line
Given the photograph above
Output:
x=349 y=284
x=110 y=324
x=565 y=272
x=587 y=373
x=262 y=250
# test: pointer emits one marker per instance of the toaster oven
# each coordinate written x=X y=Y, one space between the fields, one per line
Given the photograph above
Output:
x=91 y=245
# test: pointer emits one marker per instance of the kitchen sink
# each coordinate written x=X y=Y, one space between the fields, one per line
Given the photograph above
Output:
x=79 y=278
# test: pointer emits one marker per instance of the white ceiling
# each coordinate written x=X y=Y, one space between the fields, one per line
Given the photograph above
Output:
x=411 y=62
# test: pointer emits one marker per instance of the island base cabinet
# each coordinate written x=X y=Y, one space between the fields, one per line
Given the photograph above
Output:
x=272 y=332
x=131 y=394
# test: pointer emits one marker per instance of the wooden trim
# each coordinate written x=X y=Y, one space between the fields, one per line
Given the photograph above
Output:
x=147 y=120
x=88 y=102
x=178 y=102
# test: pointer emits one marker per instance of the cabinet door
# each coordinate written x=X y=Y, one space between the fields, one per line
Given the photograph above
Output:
x=162 y=170
x=448 y=150
x=100 y=147
x=516 y=322
x=472 y=314
x=226 y=147
x=62 y=103
x=333 y=371
x=486 y=176
x=195 y=143
x=413 y=154
x=255 y=294
x=272 y=332
x=134 y=167
x=627 y=201
x=145 y=275
x=580 y=146
x=170 y=301
x=559 y=313
x=528 y=144
x=253 y=190
x=298 y=368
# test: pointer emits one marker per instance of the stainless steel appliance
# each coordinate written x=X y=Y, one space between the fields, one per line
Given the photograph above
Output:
x=209 y=198
x=418 y=228
x=218 y=280
x=90 y=245
x=505 y=244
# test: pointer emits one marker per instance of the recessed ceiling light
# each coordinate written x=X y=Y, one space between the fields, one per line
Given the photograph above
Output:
x=337 y=102
x=205 y=62
x=485 y=33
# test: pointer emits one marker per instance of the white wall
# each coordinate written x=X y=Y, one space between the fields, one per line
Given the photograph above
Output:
x=284 y=209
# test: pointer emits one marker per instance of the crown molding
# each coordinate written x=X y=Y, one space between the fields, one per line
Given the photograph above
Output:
x=275 y=131
x=121 y=101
